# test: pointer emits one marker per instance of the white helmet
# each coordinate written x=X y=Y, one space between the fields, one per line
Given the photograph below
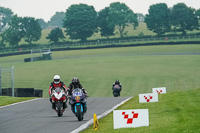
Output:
x=56 y=79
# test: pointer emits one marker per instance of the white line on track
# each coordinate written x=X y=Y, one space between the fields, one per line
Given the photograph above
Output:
x=90 y=122
x=19 y=103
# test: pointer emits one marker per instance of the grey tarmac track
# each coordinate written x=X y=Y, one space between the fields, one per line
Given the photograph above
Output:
x=37 y=116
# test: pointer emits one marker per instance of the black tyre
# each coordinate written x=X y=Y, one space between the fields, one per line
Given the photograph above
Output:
x=59 y=110
x=115 y=94
x=79 y=114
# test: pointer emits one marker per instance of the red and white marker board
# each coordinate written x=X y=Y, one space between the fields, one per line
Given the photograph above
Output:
x=130 y=118
x=159 y=90
x=148 y=97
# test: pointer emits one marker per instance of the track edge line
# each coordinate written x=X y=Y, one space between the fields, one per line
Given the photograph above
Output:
x=87 y=124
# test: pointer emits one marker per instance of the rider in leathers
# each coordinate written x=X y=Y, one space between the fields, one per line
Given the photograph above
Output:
x=57 y=83
x=117 y=83
x=76 y=84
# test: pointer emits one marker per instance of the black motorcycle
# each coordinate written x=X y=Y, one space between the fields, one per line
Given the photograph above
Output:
x=78 y=102
x=116 y=90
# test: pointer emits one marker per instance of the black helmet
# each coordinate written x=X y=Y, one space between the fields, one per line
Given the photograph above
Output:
x=75 y=81
x=117 y=82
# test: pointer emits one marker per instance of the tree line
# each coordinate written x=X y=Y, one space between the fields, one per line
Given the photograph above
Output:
x=179 y=18
x=81 y=21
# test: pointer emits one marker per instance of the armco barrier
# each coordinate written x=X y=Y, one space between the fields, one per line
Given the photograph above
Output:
x=38 y=93
x=27 y=59
x=22 y=92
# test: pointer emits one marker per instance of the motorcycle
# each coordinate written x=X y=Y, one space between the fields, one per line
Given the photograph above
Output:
x=116 y=90
x=59 y=99
x=78 y=102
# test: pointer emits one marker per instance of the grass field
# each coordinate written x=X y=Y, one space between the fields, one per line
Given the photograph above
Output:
x=138 y=69
x=176 y=112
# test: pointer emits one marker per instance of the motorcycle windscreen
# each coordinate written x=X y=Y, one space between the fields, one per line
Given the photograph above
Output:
x=77 y=92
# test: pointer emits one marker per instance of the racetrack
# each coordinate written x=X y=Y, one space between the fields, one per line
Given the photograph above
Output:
x=37 y=116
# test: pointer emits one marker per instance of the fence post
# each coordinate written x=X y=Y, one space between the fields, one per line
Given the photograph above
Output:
x=12 y=79
x=0 y=83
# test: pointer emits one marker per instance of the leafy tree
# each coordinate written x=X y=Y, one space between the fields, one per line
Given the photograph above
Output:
x=14 y=33
x=57 y=20
x=158 y=18
x=5 y=16
x=2 y=44
x=105 y=29
x=80 y=21
x=198 y=15
x=120 y=16
x=42 y=23
x=55 y=35
x=183 y=18
x=31 y=28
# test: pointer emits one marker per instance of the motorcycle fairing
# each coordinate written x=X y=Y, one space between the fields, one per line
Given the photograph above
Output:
x=78 y=104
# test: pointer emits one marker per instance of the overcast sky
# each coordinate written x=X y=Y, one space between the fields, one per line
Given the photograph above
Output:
x=45 y=9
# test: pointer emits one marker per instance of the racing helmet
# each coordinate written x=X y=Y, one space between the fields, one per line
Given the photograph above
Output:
x=75 y=81
x=117 y=82
x=56 y=79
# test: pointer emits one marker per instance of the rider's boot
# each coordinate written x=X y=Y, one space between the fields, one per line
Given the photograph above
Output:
x=64 y=105
x=50 y=99
x=53 y=106
x=73 y=109
x=85 y=108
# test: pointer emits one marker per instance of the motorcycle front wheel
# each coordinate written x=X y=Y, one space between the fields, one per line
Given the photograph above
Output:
x=115 y=94
x=59 y=111
x=79 y=114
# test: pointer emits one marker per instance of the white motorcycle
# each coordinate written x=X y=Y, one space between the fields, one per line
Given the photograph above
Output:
x=59 y=99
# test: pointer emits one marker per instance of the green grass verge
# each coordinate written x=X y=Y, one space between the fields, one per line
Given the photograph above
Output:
x=176 y=112
x=138 y=69
x=7 y=100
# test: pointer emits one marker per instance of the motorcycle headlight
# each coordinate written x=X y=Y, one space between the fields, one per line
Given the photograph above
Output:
x=77 y=97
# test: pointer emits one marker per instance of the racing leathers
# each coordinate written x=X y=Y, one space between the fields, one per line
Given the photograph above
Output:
x=120 y=86
x=72 y=86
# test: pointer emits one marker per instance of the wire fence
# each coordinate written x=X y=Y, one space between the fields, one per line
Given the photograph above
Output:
x=111 y=42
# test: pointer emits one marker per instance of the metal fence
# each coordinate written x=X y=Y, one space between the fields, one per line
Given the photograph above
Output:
x=153 y=39
x=111 y=42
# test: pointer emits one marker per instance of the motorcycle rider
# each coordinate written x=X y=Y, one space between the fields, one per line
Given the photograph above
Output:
x=57 y=83
x=117 y=83
x=76 y=84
